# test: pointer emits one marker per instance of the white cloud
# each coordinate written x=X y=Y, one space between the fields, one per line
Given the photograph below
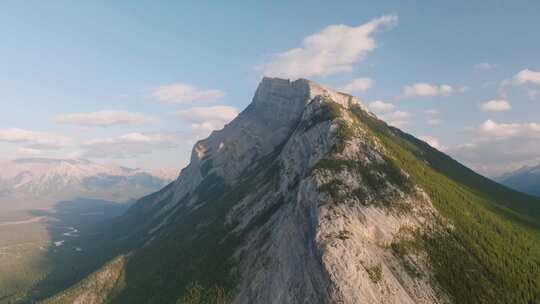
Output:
x=495 y=106
x=28 y=152
x=33 y=139
x=492 y=130
x=399 y=115
x=128 y=145
x=398 y=119
x=485 y=66
x=103 y=118
x=74 y=154
x=531 y=94
x=204 y=128
x=527 y=77
x=357 y=85
x=422 y=89
x=208 y=113
x=493 y=157
x=524 y=77
x=182 y=92
x=432 y=112
x=433 y=117
x=498 y=147
x=463 y=89
x=206 y=119
x=488 y=84
x=333 y=50
x=434 y=121
x=380 y=106
x=433 y=141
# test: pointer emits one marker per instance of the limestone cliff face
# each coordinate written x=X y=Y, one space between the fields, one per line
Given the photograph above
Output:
x=268 y=122
x=338 y=213
x=311 y=201
x=327 y=232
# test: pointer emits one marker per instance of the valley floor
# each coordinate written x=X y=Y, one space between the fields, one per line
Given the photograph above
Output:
x=44 y=250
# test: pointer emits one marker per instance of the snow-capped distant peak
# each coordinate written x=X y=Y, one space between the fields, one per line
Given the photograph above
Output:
x=69 y=178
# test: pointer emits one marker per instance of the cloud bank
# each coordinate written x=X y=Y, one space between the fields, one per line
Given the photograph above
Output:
x=128 y=145
x=423 y=89
x=495 y=106
x=203 y=120
x=34 y=140
x=103 y=118
x=182 y=92
x=333 y=50
x=357 y=85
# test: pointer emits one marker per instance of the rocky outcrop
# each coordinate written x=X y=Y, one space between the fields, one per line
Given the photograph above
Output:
x=314 y=205
x=325 y=244
x=317 y=243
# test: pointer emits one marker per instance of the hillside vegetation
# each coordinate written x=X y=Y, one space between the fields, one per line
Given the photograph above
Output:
x=493 y=253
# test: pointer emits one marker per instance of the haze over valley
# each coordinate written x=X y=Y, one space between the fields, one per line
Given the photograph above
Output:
x=48 y=208
x=41 y=182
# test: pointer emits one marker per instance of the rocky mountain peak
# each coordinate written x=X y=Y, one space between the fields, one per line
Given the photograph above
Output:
x=278 y=92
x=277 y=108
x=291 y=178
x=306 y=197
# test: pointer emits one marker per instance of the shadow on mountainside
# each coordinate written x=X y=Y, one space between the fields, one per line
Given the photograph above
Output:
x=78 y=232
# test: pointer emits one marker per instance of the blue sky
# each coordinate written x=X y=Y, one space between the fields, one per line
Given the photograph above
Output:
x=136 y=82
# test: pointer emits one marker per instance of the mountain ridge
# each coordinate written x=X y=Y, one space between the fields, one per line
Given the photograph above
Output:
x=306 y=197
x=525 y=179
x=44 y=180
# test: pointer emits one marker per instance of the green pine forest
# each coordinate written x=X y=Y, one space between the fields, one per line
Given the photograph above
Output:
x=493 y=254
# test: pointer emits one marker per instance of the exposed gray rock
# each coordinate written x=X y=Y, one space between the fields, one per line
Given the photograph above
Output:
x=318 y=222
x=314 y=248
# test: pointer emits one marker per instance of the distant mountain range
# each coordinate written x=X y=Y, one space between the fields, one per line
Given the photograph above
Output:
x=43 y=180
x=526 y=179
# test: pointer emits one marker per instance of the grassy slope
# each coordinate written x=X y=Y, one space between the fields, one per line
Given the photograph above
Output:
x=493 y=254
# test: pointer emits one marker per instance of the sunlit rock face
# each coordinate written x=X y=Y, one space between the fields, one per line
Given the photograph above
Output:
x=313 y=229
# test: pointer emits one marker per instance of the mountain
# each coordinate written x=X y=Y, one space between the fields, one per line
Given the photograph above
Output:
x=51 y=180
x=526 y=179
x=307 y=197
